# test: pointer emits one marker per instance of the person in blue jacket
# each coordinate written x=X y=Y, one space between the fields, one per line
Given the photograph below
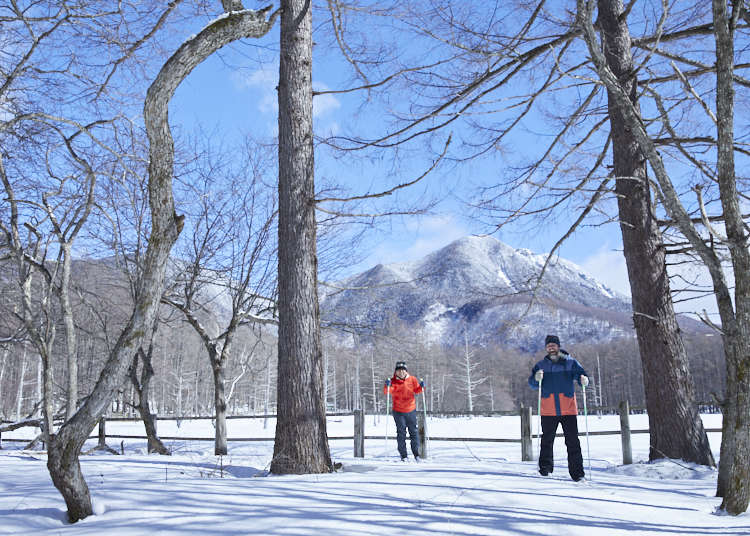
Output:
x=557 y=373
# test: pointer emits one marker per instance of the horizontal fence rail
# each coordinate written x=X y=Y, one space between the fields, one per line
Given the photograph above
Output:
x=359 y=437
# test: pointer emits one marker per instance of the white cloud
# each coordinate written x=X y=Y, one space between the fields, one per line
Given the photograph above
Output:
x=263 y=83
x=324 y=104
x=607 y=266
x=419 y=237
x=695 y=276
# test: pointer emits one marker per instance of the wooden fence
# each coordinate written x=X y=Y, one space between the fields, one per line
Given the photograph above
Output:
x=359 y=437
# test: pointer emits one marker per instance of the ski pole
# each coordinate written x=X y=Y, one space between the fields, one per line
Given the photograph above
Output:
x=424 y=408
x=387 y=403
x=586 y=420
x=539 y=419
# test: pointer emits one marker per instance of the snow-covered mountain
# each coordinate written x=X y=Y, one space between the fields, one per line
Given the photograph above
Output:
x=483 y=286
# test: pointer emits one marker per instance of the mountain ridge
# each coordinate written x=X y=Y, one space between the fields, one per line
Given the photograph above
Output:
x=479 y=287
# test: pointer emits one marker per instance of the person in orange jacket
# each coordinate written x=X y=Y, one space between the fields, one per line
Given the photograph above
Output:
x=403 y=389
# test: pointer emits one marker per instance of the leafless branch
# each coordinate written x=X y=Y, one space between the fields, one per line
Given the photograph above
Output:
x=395 y=188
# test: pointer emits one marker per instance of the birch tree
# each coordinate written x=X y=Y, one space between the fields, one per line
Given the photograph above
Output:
x=471 y=382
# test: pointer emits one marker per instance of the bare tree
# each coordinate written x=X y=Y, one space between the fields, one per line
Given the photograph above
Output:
x=65 y=445
x=676 y=427
x=35 y=314
x=3 y=368
x=523 y=63
x=123 y=230
x=228 y=257
x=21 y=380
x=735 y=317
x=471 y=382
x=52 y=146
x=141 y=383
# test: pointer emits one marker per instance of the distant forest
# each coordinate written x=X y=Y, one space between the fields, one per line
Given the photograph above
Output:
x=464 y=378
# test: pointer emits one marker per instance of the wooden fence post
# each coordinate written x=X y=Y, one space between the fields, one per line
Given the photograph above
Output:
x=627 y=449
x=359 y=433
x=527 y=450
x=102 y=433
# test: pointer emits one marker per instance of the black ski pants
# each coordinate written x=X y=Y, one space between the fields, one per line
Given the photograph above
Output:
x=404 y=421
x=570 y=429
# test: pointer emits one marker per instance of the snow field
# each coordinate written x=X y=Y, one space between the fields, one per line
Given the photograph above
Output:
x=463 y=488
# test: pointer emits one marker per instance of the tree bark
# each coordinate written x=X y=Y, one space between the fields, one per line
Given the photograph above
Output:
x=71 y=344
x=2 y=373
x=301 y=445
x=65 y=446
x=467 y=370
x=217 y=358
x=734 y=469
x=735 y=325
x=676 y=430
x=19 y=393
x=220 y=402
x=142 y=388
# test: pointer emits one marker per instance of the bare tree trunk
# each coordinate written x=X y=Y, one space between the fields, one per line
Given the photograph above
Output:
x=70 y=333
x=333 y=384
x=220 y=403
x=178 y=394
x=267 y=394
x=375 y=413
x=467 y=370
x=736 y=425
x=142 y=389
x=2 y=374
x=730 y=485
x=19 y=393
x=356 y=394
x=432 y=389
x=492 y=396
x=326 y=378
x=39 y=381
x=196 y=392
x=65 y=446
x=301 y=445
x=676 y=428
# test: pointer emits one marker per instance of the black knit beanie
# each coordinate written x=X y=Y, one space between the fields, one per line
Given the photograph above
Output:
x=552 y=338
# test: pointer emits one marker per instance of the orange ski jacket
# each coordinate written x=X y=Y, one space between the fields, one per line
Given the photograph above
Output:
x=558 y=388
x=402 y=393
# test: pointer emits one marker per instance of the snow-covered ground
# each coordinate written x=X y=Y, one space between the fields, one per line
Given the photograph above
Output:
x=464 y=488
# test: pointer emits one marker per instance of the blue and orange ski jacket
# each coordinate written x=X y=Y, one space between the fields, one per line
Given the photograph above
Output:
x=402 y=393
x=558 y=389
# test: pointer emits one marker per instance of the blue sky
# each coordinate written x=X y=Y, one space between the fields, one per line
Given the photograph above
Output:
x=235 y=94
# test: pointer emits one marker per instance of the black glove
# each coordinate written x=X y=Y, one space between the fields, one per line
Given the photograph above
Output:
x=387 y=383
x=421 y=383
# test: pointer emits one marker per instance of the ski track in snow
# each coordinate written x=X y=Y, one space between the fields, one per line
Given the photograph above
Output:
x=463 y=488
